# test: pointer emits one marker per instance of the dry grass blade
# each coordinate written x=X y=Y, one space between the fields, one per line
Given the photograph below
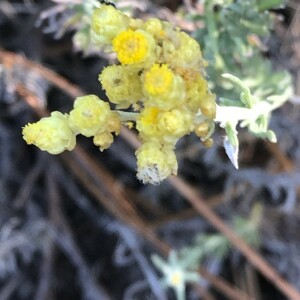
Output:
x=64 y=238
x=28 y=183
x=9 y=59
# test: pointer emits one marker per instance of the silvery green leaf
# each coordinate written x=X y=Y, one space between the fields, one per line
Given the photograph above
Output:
x=271 y=136
x=268 y=4
x=231 y=151
x=231 y=132
x=229 y=102
x=245 y=95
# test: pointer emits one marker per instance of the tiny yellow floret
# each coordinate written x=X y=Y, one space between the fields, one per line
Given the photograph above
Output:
x=155 y=162
x=155 y=27
x=183 y=51
x=163 y=88
x=134 y=47
x=208 y=105
x=51 y=134
x=202 y=129
x=158 y=80
x=103 y=140
x=146 y=123
x=122 y=85
x=89 y=115
x=198 y=93
x=176 y=279
x=175 y=123
x=107 y=23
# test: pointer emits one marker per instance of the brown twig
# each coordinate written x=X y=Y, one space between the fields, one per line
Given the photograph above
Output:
x=9 y=59
x=28 y=183
x=188 y=213
x=44 y=289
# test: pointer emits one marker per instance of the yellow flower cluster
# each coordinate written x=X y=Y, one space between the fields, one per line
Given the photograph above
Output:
x=160 y=69
x=89 y=117
x=159 y=76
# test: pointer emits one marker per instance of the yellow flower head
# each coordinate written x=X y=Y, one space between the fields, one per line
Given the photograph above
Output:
x=146 y=123
x=175 y=123
x=198 y=95
x=51 y=134
x=122 y=85
x=107 y=23
x=155 y=162
x=158 y=80
x=103 y=140
x=202 y=129
x=157 y=28
x=89 y=115
x=208 y=105
x=183 y=51
x=135 y=24
x=162 y=87
x=165 y=127
x=134 y=47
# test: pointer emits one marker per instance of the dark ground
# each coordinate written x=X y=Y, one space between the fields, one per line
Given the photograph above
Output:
x=72 y=228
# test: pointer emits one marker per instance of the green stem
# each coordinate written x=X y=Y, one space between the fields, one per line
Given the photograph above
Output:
x=126 y=116
x=267 y=4
x=235 y=114
x=213 y=34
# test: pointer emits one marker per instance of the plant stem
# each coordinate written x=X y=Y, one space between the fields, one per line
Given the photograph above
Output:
x=127 y=116
x=213 y=34
x=268 y=4
x=235 y=114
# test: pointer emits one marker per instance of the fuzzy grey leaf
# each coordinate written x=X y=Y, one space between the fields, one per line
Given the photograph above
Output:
x=232 y=152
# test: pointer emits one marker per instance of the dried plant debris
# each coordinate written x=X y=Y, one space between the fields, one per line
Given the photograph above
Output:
x=15 y=77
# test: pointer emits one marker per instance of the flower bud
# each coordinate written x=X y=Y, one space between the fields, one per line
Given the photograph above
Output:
x=89 y=115
x=103 y=140
x=208 y=106
x=175 y=123
x=107 y=23
x=155 y=163
x=163 y=88
x=183 y=51
x=202 y=129
x=122 y=85
x=135 y=48
x=51 y=134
